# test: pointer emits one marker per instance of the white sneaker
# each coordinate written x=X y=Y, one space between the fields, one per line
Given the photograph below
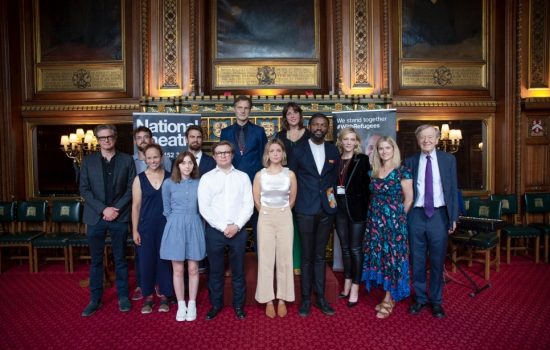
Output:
x=191 y=311
x=182 y=311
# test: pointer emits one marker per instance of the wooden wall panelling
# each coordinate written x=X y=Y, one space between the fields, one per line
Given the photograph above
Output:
x=536 y=155
x=536 y=45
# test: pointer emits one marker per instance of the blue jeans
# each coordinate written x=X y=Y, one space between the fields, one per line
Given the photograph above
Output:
x=96 y=239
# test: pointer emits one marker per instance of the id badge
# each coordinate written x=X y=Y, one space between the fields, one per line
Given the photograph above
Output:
x=340 y=190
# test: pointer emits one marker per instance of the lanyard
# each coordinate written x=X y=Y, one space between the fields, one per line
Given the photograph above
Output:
x=344 y=164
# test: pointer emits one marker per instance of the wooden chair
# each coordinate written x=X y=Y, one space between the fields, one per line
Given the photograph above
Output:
x=31 y=223
x=520 y=233
x=7 y=221
x=467 y=200
x=478 y=242
x=539 y=204
x=65 y=224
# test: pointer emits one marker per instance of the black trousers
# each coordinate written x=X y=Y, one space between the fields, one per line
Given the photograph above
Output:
x=314 y=234
x=216 y=243
x=351 y=237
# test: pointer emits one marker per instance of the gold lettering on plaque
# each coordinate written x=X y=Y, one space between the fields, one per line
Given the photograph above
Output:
x=442 y=76
x=266 y=76
x=81 y=79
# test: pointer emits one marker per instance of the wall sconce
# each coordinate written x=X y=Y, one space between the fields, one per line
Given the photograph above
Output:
x=450 y=139
x=77 y=145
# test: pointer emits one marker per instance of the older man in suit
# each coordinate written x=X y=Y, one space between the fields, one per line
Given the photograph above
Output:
x=106 y=186
x=315 y=166
x=433 y=218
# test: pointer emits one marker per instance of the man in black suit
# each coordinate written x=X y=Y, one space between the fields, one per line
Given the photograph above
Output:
x=433 y=217
x=193 y=135
x=106 y=185
x=315 y=167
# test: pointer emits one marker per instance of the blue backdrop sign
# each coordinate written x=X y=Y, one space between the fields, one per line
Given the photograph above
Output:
x=168 y=129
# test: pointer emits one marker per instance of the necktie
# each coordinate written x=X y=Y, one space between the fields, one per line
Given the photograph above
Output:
x=429 y=189
x=241 y=140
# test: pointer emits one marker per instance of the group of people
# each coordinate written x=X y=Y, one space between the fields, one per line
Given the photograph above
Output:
x=292 y=191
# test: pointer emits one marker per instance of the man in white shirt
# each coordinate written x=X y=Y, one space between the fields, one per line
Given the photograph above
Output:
x=226 y=203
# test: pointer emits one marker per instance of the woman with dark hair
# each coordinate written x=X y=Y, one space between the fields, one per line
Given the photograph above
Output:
x=183 y=237
x=147 y=229
x=352 y=196
x=292 y=134
x=386 y=237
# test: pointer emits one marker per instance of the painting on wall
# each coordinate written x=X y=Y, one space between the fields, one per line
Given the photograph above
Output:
x=80 y=45
x=443 y=44
x=264 y=45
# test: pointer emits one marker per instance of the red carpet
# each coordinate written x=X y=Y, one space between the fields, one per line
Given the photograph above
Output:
x=43 y=311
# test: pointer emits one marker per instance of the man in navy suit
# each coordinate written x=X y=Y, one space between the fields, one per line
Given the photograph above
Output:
x=315 y=166
x=106 y=185
x=433 y=217
x=193 y=135
x=248 y=140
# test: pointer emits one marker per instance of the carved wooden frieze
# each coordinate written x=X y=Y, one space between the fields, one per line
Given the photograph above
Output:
x=170 y=45
x=362 y=59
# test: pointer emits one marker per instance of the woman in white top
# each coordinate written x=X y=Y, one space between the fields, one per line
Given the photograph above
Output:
x=274 y=195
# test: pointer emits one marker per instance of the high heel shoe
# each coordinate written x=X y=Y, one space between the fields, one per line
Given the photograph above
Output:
x=342 y=295
x=352 y=303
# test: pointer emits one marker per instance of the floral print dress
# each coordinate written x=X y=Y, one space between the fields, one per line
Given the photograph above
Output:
x=386 y=258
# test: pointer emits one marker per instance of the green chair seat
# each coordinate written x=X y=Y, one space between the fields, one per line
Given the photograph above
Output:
x=20 y=238
x=53 y=240
x=521 y=231
x=543 y=228
x=78 y=240
x=481 y=240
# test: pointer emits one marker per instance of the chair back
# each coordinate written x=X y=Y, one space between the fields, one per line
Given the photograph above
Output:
x=509 y=203
x=467 y=200
x=32 y=212
x=537 y=203
x=66 y=211
x=7 y=212
x=486 y=208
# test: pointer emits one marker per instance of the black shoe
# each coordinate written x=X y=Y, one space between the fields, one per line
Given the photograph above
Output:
x=239 y=312
x=124 y=304
x=213 y=312
x=305 y=308
x=353 y=303
x=342 y=295
x=415 y=308
x=437 y=311
x=91 y=308
x=325 y=307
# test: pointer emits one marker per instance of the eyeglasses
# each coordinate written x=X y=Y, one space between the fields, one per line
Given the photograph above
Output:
x=223 y=154
x=106 y=138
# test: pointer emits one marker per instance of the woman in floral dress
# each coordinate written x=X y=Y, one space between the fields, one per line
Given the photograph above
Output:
x=386 y=258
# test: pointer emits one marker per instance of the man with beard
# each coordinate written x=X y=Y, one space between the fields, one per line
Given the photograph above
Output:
x=315 y=165
x=143 y=137
x=193 y=134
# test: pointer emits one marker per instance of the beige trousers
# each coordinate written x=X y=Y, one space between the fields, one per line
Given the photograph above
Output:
x=275 y=238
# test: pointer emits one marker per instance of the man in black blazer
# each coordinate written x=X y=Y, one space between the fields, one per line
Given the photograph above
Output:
x=315 y=166
x=433 y=217
x=106 y=185
x=193 y=135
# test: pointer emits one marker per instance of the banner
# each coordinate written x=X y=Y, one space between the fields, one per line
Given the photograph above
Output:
x=370 y=125
x=168 y=129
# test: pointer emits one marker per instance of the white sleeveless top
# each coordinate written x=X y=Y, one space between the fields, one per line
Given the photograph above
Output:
x=275 y=189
